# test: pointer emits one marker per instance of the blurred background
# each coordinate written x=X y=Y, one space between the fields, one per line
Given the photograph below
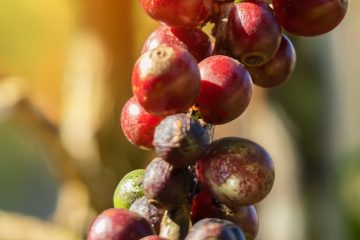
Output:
x=65 y=69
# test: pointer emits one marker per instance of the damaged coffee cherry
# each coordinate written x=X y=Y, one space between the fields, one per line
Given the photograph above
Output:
x=129 y=189
x=214 y=228
x=179 y=139
x=153 y=213
x=236 y=171
x=193 y=39
x=165 y=185
x=119 y=224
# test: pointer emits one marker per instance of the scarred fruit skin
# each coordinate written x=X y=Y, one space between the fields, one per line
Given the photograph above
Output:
x=193 y=39
x=138 y=125
x=214 y=228
x=236 y=171
x=129 y=189
x=188 y=13
x=165 y=185
x=278 y=69
x=180 y=140
x=253 y=32
x=119 y=224
x=310 y=17
x=226 y=89
x=151 y=212
x=166 y=80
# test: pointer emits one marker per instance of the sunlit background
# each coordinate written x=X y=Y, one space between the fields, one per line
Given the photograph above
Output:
x=65 y=69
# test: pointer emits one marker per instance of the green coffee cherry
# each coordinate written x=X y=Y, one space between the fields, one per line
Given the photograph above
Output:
x=129 y=189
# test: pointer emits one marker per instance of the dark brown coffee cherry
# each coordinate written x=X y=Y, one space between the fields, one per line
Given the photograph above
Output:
x=153 y=213
x=180 y=140
x=166 y=185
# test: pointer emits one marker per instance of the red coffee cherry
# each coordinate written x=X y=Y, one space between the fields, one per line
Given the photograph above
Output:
x=278 y=69
x=166 y=80
x=253 y=32
x=226 y=89
x=193 y=39
x=310 y=17
x=138 y=125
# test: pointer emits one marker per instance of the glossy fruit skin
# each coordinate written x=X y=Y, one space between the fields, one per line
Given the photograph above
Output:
x=236 y=171
x=204 y=206
x=245 y=217
x=189 y=13
x=129 y=189
x=253 y=32
x=165 y=185
x=166 y=80
x=119 y=224
x=310 y=17
x=151 y=212
x=226 y=89
x=153 y=237
x=193 y=39
x=138 y=125
x=214 y=228
x=180 y=140
x=279 y=69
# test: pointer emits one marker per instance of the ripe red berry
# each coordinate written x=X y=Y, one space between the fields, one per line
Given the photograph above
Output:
x=138 y=125
x=166 y=80
x=226 y=89
x=278 y=69
x=310 y=17
x=253 y=32
x=119 y=224
x=175 y=12
x=236 y=172
x=153 y=237
x=193 y=39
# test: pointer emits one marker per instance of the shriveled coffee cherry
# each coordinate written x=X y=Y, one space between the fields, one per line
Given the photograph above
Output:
x=214 y=228
x=166 y=80
x=310 y=17
x=193 y=39
x=278 y=69
x=129 y=189
x=236 y=171
x=153 y=213
x=138 y=125
x=226 y=89
x=165 y=185
x=253 y=32
x=175 y=12
x=119 y=224
x=180 y=140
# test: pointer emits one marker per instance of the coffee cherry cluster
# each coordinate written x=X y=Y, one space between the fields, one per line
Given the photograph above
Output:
x=183 y=85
